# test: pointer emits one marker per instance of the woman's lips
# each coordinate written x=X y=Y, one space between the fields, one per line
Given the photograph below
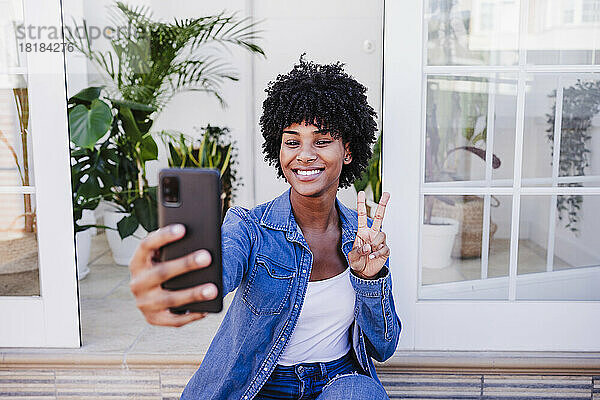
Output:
x=310 y=176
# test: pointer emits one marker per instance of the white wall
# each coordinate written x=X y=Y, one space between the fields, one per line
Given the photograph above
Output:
x=326 y=31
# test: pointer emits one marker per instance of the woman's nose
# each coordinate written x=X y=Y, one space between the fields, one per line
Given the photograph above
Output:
x=306 y=155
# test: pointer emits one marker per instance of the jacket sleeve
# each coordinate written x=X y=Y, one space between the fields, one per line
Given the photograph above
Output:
x=237 y=239
x=376 y=315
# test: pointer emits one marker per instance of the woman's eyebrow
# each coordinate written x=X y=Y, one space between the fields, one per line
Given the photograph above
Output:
x=317 y=131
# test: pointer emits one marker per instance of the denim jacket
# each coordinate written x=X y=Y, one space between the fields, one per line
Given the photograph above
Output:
x=267 y=259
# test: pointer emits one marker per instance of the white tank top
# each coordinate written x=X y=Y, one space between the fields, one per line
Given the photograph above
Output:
x=322 y=333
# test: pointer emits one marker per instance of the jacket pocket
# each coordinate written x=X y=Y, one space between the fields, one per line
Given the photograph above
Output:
x=269 y=286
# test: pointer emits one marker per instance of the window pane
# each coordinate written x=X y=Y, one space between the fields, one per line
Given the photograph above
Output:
x=452 y=243
x=16 y=163
x=456 y=117
x=499 y=245
x=563 y=32
x=504 y=123
x=533 y=234
x=579 y=157
x=579 y=144
x=457 y=128
x=540 y=96
x=11 y=23
x=18 y=246
x=559 y=261
x=465 y=32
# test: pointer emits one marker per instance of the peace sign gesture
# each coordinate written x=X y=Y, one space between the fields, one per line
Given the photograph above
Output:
x=369 y=251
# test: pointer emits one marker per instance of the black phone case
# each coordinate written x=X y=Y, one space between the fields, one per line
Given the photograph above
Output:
x=199 y=210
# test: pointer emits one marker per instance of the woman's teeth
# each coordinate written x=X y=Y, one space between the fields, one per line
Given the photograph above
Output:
x=307 y=173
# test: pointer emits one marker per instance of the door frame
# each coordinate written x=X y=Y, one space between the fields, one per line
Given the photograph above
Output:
x=51 y=319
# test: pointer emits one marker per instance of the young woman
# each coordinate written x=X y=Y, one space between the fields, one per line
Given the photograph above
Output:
x=314 y=302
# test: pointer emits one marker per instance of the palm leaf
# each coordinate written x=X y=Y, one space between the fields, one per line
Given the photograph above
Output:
x=151 y=61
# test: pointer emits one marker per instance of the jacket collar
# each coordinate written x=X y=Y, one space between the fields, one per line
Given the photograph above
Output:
x=279 y=216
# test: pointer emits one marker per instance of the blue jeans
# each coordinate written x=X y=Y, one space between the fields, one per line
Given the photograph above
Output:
x=337 y=379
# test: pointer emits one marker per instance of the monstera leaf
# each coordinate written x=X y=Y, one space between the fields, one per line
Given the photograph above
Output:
x=87 y=95
x=88 y=125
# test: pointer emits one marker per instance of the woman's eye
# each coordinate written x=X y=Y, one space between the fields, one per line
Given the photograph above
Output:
x=323 y=142
x=291 y=143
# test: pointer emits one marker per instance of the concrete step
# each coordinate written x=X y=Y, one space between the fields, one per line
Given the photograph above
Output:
x=69 y=374
x=75 y=381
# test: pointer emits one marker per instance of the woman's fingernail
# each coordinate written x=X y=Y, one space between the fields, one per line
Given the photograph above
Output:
x=177 y=229
x=209 y=291
x=201 y=258
x=371 y=256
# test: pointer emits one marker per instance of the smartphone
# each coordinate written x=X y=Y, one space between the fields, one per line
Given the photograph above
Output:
x=192 y=197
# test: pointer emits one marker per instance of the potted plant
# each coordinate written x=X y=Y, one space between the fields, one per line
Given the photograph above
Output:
x=581 y=103
x=437 y=232
x=111 y=145
x=439 y=228
x=150 y=62
x=214 y=149
x=21 y=244
x=21 y=97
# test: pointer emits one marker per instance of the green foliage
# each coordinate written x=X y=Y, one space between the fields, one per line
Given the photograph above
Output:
x=372 y=174
x=581 y=103
x=89 y=124
x=149 y=62
x=92 y=176
x=112 y=169
x=214 y=149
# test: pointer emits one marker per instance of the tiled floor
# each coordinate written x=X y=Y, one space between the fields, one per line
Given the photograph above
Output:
x=110 y=321
x=531 y=259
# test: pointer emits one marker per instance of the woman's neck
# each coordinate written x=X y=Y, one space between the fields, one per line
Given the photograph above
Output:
x=315 y=213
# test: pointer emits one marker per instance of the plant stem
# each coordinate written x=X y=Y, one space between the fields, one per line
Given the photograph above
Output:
x=22 y=100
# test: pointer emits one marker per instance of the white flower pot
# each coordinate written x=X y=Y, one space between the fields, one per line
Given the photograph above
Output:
x=122 y=249
x=438 y=240
x=83 y=244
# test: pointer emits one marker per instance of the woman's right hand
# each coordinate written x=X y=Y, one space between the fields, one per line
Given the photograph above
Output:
x=147 y=275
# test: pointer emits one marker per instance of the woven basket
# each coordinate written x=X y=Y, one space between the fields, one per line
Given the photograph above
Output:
x=19 y=254
x=469 y=213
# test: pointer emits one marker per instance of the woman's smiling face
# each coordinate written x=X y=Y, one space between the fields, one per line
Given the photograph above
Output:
x=311 y=159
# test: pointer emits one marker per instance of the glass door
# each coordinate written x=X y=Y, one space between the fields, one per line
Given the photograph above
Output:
x=495 y=218
x=38 y=292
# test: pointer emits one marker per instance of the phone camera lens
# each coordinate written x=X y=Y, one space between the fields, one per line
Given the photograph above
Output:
x=170 y=189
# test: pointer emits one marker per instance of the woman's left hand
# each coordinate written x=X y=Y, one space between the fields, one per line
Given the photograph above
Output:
x=369 y=252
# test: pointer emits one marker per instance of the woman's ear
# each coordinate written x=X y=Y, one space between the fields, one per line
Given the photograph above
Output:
x=347 y=154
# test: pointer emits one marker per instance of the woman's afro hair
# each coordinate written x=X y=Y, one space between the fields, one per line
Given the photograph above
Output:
x=330 y=98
